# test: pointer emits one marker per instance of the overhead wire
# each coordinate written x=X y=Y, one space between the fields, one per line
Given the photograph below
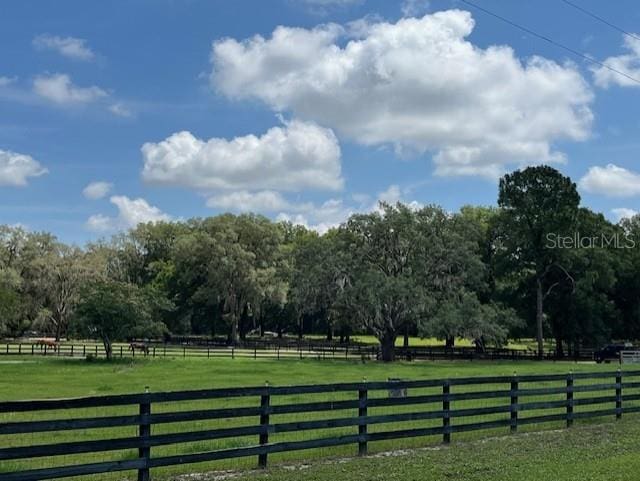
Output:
x=550 y=40
x=601 y=19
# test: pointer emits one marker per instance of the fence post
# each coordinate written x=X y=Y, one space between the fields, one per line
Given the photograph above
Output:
x=446 y=421
x=362 y=413
x=264 y=424
x=96 y=350
x=619 y=394
x=514 y=403
x=144 y=452
x=20 y=348
x=569 y=400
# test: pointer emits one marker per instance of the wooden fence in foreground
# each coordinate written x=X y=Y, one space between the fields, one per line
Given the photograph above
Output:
x=517 y=401
x=300 y=350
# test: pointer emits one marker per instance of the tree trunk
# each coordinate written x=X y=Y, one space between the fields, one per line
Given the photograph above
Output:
x=108 y=348
x=539 y=315
x=388 y=346
x=300 y=326
x=559 y=349
x=244 y=322
x=329 y=331
x=449 y=342
x=406 y=337
x=58 y=330
x=234 y=329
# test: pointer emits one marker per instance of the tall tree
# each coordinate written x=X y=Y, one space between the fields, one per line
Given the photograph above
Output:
x=539 y=208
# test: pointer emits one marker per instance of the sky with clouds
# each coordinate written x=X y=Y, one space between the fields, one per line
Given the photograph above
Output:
x=115 y=113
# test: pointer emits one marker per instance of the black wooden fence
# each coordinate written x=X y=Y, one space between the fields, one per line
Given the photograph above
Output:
x=299 y=350
x=511 y=401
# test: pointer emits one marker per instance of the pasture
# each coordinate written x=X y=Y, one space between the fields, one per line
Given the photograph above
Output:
x=29 y=378
x=602 y=452
x=38 y=377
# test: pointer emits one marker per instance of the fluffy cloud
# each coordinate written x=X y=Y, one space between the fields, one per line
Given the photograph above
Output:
x=97 y=190
x=334 y=212
x=417 y=84
x=74 y=48
x=262 y=201
x=612 y=181
x=59 y=88
x=624 y=213
x=298 y=155
x=628 y=63
x=15 y=169
x=131 y=212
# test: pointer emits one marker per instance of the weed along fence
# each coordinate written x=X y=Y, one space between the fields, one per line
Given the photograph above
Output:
x=261 y=350
x=169 y=432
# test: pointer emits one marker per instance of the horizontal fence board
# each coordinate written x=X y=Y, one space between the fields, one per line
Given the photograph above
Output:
x=77 y=470
x=253 y=450
x=117 y=444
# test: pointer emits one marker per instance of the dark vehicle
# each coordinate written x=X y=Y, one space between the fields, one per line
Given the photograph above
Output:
x=609 y=353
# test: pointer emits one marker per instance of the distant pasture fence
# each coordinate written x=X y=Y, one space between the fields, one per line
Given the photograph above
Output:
x=370 y=412
x=264 y=350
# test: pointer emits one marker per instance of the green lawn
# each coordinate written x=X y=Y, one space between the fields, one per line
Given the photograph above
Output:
x=603 y=452
x=37 y=377
x=34 y=377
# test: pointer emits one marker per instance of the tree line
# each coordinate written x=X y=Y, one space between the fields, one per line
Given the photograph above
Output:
x=537 y=265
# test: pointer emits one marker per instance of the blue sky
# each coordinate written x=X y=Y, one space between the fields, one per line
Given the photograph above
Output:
x=353 y=101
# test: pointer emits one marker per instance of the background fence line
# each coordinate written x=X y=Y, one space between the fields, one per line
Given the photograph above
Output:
x=530 y=400
x=299 y=350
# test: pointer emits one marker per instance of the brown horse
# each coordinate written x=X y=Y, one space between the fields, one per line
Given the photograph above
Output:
x=140 y=346
x=45 y=343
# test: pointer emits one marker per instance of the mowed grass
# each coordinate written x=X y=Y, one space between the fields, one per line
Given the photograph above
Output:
x=39 y=377
x=603 y=452
x=34 y=378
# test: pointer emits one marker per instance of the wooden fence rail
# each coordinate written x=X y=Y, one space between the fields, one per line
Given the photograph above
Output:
x=550 y=398
x=273 y=351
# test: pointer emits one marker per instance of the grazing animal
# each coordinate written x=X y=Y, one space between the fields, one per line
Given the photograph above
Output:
x=43 y=343
x=140 y=346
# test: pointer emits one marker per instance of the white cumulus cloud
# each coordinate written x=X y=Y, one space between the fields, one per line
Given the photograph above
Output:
x=298 y=155
x=417 y=84
x=628 y=63
x=15 y=169
x=71 y=47
x=334 y=212
x=612 y=181
x=623 y=213
x=262 y=201
x=131 y=212
x=97 y=190
x=59 y=88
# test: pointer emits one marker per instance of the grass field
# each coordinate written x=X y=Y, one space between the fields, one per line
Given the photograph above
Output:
x=603 y=452
x=34 y=378
x=29 y=378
